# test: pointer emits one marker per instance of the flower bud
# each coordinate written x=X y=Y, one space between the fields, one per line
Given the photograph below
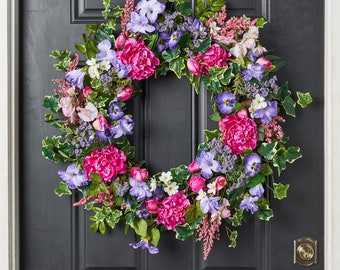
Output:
x=139 y=174
x=100 y=122
x=86 y=91
x=193 y=167
x=264 y=62
x=221 y=182
x=120 y=40
x=125 y=93
x=193 y=66
x=152 y=206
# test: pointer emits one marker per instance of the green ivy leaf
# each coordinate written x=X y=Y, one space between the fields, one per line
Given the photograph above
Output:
x=268 y=150
x=170 y=55
x=233 y=237
x=280 y=163
x=236 y=219
x=52 y=103
x=102 y=227
x=266 y=169
x=292 y=154
x=177 y=65
x=304 y=99
x=255 y=180
x=62 y=189
x=283 y=92
x=264 y=212
x=204 y=46
x=184 y=232
x=211 y=134
x=185 y=8
x=94 y=227
x=289 y=106
x=280 y=191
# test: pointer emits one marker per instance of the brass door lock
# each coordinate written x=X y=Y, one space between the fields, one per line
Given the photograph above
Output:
x=305 y=251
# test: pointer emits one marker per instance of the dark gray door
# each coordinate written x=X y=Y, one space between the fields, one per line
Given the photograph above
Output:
x=56 y=236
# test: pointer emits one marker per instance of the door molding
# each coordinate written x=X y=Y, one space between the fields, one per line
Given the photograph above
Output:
x=9 y=245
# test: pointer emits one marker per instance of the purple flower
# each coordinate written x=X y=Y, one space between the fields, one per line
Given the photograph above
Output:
x=139 y=189
x=121 y=69
x=210 y=204
x=105 y=52
x=253 y=71
x=121 y=188
x=226 y=101
x=141 y=212
x=76 y=78
x=207 y=164
x=150 y=9
x=197 y=29
x=174 y=39
x=139 y=23
x=248 y=204
x=252 y=165
x=257 y=191
x=266 y=114
x=73 y=177
x=124 y=127
x=104 y=135
x=144 y=245
x=163 y=41
x=115 y=111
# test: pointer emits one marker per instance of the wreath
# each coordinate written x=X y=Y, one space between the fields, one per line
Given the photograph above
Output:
x=225 y=185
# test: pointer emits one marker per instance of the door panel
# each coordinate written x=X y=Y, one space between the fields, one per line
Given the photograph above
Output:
x=169 y=122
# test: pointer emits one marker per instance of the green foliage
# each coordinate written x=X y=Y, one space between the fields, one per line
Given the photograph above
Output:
x=56 y=150
x=62 y=189
x=204 y=10
x=52 y=103
x=280 y=191
x=304 y=99
x=64 y=59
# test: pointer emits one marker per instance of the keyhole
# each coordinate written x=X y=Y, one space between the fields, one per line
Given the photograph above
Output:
x=306 y=252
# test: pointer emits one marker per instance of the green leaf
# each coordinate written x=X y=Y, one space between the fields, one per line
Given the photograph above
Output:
x=191 y=214
x=289 y=105
x=96 y=179
x=211 y=134
x=266 y=169
x=183 y=232
x=268 y=150
x=81 y=48
x=280 y=163
x=62 y=189
x=177 y=65
x=185 y=8
x=170 y=55
x=255 y=180
x=292 y=153
x=260 y=22
x=236 y=219
x=155 y=236
x=52 y=103
x=140 y=227
x=233 y=237
x=264 y=212
x=102 y=227
x=204 y=46
x=304 y=99
x=280 y=191
x=94 y=227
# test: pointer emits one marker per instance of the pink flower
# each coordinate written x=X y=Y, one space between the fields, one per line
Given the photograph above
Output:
x=215 y=56
x=196 y=183
x=86 y=91
x=193 y=167
x=139 y=174
x=239 y=133
x=220 y=182
x=125 y=93
x=89 y=113
x=107 y=162
x=264 y=62
x=242 y=113
x=100 y=122
x=193 y=66
x=152 y=206
x=141 y=59
x=120 y=40
x=172 y=209
x=67 y=106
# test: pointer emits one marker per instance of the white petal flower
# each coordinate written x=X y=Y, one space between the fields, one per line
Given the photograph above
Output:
x=212 y=188
x=171 y=188
x=165 y=177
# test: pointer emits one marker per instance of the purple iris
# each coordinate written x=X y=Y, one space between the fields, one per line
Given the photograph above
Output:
x=210 y=204
x=144 y=245
x=253 y=71
x=76 y=78
x=174 y=39
x=207 y=164
x=252 y=165
x=197 y=29
x=115 y=111
x=139 y=189
x=257 y=191
x=105 y=52
x=248 y=204
x=124 y=127
x=163 y=41
x=150 y=9
x=73 y=177
x=141 y=212
x=139 y=23
x=266 y=114
x=104 y=135
x=226 y=101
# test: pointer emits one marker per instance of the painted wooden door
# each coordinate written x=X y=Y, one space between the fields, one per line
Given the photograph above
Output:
x=169 y=120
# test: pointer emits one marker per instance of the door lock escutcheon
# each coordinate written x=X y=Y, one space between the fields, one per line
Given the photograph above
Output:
x=305 y=251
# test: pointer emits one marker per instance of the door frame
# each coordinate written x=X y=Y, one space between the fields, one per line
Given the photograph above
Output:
x=9 y=207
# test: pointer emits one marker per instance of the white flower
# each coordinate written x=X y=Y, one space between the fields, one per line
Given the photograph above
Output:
x=201 y=195
x=153 y=184
x=212 y=188
x=89 y=113
x=104 y=65
x=252 y=33
x=93 y=68
x=258 y=103
x=171 y=188
x=214 y=28
x=165 y=177
x=238 y=50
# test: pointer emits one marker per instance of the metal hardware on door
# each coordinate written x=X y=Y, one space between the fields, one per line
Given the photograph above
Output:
x=305 y=251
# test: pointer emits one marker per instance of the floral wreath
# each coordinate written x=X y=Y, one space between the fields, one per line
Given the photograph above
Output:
x=226 y=183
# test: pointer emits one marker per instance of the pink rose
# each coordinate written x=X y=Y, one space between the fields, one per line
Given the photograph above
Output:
x=196 y=183
x=139 y=174
x=141 y=59
x=215 y=56
x=107 y=162
x=221 y=182
x=193 y=66
x=264 y=62
x=152 y=206
x=239 y=133
x=120 y=40
x=125 y=93
x=100 y=122
x=172 y=209
x=86 y=91
x=193 y=167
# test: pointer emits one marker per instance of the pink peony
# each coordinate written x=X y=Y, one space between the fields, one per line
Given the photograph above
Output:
x=239 y=133
x=196 y=183
x=141 y=59
x=172 y=209
x=107 y=162
x=215 y=56
x=138 y=174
